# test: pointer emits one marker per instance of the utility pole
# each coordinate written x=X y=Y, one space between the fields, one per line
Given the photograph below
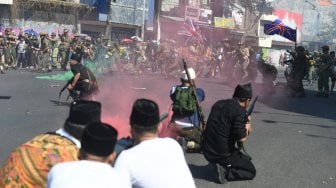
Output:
x=108 y=28
x=76 y=12
x=143 y=20
x=157 y=8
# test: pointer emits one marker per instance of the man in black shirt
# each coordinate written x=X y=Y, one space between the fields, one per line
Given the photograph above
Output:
x=227 y=125
x=83 y=80
x=300 y=67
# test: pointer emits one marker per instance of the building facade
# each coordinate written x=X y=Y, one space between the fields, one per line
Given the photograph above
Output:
x=42 y=15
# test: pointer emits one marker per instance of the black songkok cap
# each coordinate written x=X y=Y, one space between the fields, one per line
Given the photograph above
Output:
x=99 y=139
x=81 y=114
x=243 y=91
x=145 y=113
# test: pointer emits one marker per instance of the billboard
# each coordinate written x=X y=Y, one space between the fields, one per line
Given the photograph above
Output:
x=292 y=20
x=128 y=12
x=6 y=2
x=198 y=14
x=191 y=12
x=227 y=23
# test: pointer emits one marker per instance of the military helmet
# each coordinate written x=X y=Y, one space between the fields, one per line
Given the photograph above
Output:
x=53 y=34
x=42 y=33
x=12 y=37
x=76 y=35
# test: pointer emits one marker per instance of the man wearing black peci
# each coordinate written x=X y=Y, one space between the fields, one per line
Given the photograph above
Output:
x=227 y=126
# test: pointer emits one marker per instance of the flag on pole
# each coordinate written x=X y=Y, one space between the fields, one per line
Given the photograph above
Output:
x=279 y=28
x=191 y=31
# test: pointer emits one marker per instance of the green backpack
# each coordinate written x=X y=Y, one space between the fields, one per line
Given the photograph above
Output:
x=184 y=101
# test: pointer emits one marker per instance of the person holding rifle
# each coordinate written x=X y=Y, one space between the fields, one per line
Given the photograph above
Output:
x=83 y=80
x=44 y=53
x=229 y=123
x=187 y=118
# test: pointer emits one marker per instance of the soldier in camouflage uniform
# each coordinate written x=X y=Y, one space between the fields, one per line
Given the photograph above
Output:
x=88 y=50
x=63 y=49
x=10 y=50
x=28 y=50
x=323 y=70
x=34 y=50
x=76 y=46
x=54 y=50
x=333 y=72
x=243 y=57
x=44 y=53
x=5 y=49
x=299 y=72
x=2 y=45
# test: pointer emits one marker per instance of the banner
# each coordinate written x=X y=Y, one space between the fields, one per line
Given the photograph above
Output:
x=199 y=15
x=227 y=23
x=327 y=2
x=150 y=18
x=192 y=12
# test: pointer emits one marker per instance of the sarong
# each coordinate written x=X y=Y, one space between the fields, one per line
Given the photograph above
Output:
x=29 y=164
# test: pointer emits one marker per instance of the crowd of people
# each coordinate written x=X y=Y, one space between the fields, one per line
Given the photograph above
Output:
x=237 y=62
x=51 y=51
x=316 y=66
x=83 y=152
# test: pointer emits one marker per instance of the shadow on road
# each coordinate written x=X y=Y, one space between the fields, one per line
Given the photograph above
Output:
x=204 y=172
x=298 y=123
x=307 y=106
x=60 y=103
x=320 y=136
x=5 y=97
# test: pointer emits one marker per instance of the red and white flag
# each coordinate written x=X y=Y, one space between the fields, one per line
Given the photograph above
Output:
x=327 y=2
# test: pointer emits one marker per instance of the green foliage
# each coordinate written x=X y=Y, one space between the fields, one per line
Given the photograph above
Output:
x=257 y=6
x=327 y=32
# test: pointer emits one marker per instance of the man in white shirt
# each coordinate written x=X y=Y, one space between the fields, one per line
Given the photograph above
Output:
x=152 y=162
x=21 y=50
x=94 y=168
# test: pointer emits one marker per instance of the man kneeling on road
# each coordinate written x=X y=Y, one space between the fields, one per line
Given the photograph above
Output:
x=83 y=80
x=227 y=125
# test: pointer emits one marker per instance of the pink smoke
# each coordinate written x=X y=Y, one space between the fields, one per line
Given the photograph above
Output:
x=118 y=92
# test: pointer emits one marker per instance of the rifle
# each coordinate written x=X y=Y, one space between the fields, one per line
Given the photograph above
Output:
x=199 y=108
x=250 y=108
x=249 y=111
x=63 y=88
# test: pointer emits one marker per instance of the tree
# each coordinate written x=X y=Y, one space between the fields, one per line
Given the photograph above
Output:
x=62 y=12
x=254 y=9
x=327 y=33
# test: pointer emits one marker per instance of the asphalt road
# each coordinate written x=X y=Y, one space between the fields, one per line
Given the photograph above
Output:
x=292 y=144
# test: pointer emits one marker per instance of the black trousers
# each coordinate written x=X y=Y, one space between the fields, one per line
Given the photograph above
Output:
x=238 y=167
x=81 y=91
